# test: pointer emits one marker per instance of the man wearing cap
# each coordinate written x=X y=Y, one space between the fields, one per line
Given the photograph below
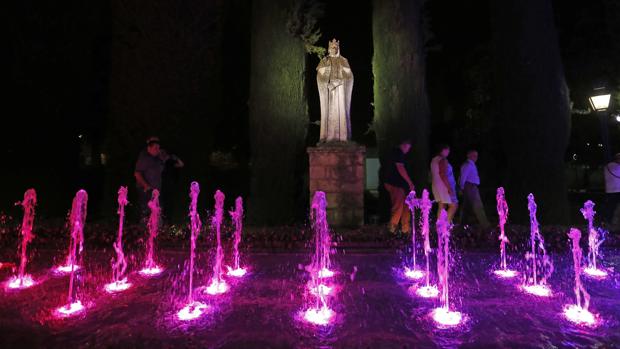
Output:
x=149 y=167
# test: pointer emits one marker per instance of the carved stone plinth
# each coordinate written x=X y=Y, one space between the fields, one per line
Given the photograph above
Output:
x=338 y=169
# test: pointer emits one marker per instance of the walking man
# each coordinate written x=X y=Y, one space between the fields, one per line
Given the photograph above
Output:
x=398 y=184
x=468 y=183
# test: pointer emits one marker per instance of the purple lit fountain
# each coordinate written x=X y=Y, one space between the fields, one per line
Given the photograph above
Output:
x=502 y=211
x=413 y=272
x=151 y=268
x=193 y=309
x=578 y=312
x=320 y=313
x=442 y=314
x=23 y=280
x=119 y=283
x=218 y=285
x=594 y=242
x=541 y=269
x=237 y=217
x=425 y=204
x=77 y=219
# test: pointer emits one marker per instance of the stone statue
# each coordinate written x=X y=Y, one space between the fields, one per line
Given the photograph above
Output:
x=335 y=82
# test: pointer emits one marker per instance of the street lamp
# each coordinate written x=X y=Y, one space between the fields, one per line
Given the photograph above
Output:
x=599 y=100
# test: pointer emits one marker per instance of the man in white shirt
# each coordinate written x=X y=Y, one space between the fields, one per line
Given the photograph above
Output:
x=612 y=188
x=468 y=183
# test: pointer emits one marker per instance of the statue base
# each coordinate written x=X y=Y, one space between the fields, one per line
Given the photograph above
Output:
x=338 y=169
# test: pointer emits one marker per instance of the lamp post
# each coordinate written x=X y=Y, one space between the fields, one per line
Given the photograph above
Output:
x=599 y=101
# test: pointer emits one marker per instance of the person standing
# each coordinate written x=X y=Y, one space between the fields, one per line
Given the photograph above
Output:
x=443 y=183
x=148 y=172
x=398 y=184
x=612 y=188
x=468 y=183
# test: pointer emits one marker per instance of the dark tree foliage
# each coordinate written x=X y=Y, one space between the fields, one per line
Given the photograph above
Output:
x=400 y=99
x=278 y=115
x=532 y=106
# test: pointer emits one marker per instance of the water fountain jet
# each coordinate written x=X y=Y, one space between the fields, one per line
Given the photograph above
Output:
x=578 y=312
x=502 y=211
x=237 y=217
x=594 y=242
x=119 y=283
x=151 y=268
x=425 y=204
x=535 y=284
x=413 y=272
x=23 y=280
x=218 y=285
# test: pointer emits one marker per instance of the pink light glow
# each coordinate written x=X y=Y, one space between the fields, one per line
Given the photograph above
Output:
x=428 y=291
x=192 y=311
x=324 y=290
x=117 y=286
x=320 y=316
x=446 y=317
x=413 y=274
x=216 y=288
x=325 y=273
x=69 y=309
x=538 y=290
x=505 y=273
x=595 y=273
x=239 y=272
x=578 y=315
x=152 y=271
x=65 y=269
x=16 y=283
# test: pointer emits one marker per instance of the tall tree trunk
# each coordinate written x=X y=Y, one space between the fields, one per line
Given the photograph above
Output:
x=400 y=99
x=278 y=115
x=532 y=106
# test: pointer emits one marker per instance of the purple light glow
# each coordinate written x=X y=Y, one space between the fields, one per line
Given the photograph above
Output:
x=321 y=289
x=505 y=274
x=325 y=273
x=538 y=290
x=192 y=311
x=216 y=287
x=117 y=286
x=320 y=316
x=428 y=291
x=65 y=269
x=69 y=310
x=17 y=283
x=239 y=272
x=445 y=317
x=413 y=274
x=152 y=271
x=595 y=273
x=579 y=315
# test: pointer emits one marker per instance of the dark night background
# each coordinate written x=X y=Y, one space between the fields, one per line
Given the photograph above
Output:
x=89 y=81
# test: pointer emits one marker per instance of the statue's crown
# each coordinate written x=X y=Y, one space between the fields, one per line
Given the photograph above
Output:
x=334 y=43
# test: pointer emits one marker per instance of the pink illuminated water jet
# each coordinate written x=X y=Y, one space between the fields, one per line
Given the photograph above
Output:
x=443 y=315
x=320 y=313
x=193 y=309
x=594 y=242
x=23 y=280
x=425 y=205
x=535 y=283
x=119 y=282
x=413 y=272
x=77 y=220
x=237 y=217
x=578 y=312
x=218 y=285
x=150 y=266
x=502 y=211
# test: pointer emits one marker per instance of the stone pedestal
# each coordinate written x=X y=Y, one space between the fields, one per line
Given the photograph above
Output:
x=338 y=169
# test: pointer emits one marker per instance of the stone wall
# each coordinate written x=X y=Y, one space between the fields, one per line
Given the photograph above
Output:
x=338 y=170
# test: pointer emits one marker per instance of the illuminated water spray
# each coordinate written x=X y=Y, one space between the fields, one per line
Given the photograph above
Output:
x=23 y=280
x=119 y=282
x=413 y=272
x=594 y=242
x=578 y=312
x=193 y=309
x=77 y=219
x=443 y=315
x=502 y=211
x=237 y=218
x=320 y=313
x=425 y=204
x=218 y=285
x=151 y=268
x=536 y=278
